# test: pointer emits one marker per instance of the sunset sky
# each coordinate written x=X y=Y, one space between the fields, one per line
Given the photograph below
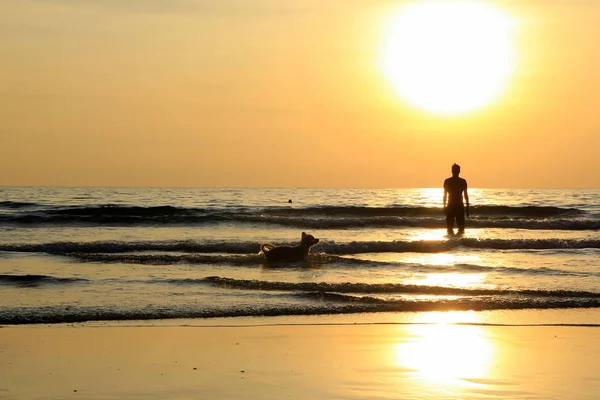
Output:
x=288 y=93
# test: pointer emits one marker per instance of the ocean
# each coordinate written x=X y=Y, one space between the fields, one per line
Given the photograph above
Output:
x=78 y=254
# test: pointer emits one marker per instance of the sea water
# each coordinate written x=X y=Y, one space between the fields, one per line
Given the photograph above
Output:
x=125 y=254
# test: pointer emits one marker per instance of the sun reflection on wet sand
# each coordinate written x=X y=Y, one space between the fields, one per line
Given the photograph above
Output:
x=446 y=354
x=447 y=317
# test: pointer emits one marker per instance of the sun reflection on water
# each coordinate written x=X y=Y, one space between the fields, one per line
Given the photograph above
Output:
x=443 y=259
x=449 y=280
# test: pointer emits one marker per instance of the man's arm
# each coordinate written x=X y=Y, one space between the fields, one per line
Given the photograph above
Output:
x=466 y=194
x=445 y=196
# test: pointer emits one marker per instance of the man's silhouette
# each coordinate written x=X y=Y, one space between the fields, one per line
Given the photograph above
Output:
x=453 y=192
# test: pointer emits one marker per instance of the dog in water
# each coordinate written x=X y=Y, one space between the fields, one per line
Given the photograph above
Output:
x=289 y=253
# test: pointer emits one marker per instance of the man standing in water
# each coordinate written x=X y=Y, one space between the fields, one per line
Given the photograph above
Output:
x=454 y=188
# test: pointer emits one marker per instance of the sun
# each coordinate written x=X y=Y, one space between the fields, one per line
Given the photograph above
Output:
x=449 y=57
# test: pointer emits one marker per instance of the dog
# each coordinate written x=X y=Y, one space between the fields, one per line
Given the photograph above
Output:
x=289 y=253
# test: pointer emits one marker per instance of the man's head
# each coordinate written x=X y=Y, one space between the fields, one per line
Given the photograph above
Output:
x=455 y=169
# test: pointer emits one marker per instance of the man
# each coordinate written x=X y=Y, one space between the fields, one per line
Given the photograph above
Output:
x=454 y=188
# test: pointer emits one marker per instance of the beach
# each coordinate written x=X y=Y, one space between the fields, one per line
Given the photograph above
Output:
x=125 y=293
x=274 y=360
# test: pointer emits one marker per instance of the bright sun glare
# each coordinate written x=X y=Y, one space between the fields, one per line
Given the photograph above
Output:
x=449 y=57
x=447 y=354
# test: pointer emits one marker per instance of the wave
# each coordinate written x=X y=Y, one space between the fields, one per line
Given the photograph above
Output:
x=315 y=260
x=122 y=247
x=35 y=280
x=420 y=222
x=324 y=247
x=438 y=246
x=17 y=204
x=360 y=211
x=388 y=288
x=416 y=211
x=306 y=222
x=526 y=217
x=328 y=303
x=169 y=259
x=466 y=303
x=110 y=214
x=506 y=270
x=214 y=259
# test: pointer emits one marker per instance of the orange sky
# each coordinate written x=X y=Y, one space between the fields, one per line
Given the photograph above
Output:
x=273 y=93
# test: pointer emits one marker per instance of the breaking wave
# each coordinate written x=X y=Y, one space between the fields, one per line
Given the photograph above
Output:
x=122 y=247
x=329 y=303
x=327 y=247
x=485 y=216
x=315 y=260
x=169 y=259
x=35 y=280
x=17 y=204
x=389 y=288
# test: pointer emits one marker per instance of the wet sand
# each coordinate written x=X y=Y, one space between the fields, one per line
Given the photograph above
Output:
x=372 y=361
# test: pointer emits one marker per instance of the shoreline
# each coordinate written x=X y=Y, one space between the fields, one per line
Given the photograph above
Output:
x=352 y=361
x=589 y=317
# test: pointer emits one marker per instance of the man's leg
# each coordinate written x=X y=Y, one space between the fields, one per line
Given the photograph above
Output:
x=450 y=222
x=460 y=220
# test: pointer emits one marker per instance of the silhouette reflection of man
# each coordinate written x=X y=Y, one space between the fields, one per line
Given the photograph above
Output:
x=454 y=188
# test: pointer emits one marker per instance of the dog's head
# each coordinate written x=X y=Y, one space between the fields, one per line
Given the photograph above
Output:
x=308 y=240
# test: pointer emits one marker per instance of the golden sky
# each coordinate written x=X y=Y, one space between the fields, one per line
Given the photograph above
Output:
x=280 y=93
